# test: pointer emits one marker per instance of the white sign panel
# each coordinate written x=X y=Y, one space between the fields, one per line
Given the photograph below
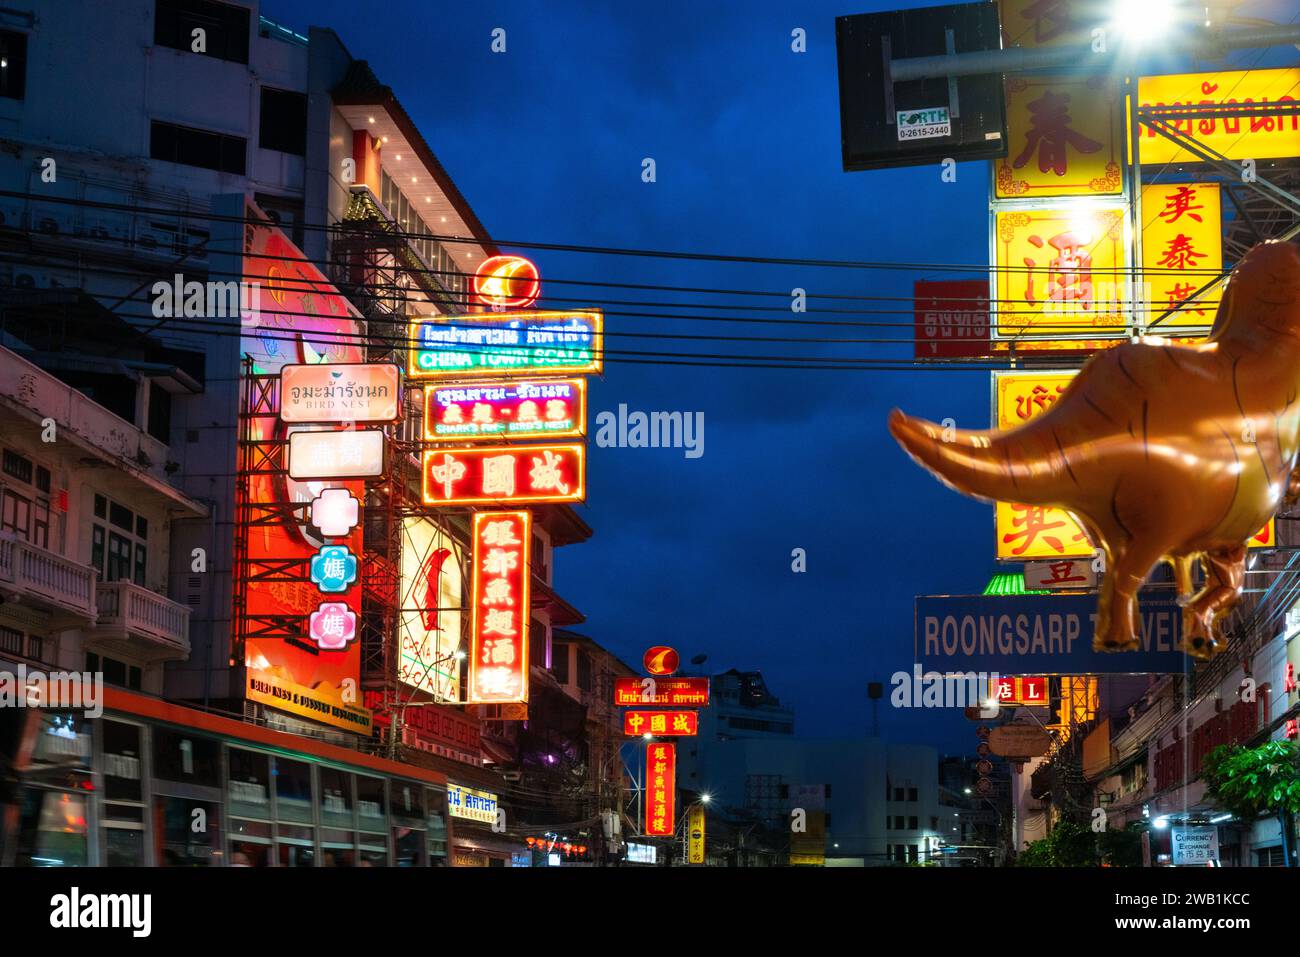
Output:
x=1066 y=573
x=336 y=455
x=1195 y=845
x=923 y=124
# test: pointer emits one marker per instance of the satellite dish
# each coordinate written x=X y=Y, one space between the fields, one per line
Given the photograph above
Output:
x=699 y=659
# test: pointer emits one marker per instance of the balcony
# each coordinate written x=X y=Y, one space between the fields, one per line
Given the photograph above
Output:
x=141 y=622
x=38 y=577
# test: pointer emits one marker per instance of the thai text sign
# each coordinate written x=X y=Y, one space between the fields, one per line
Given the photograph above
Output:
x=483 y=411
x=661 y=789
x=498 y=660
x=951 y=317
x=669 y=692
x=507 y=343
x=1264 y=135
x=672 y=723
x=471 y=805
x=505 y=474
x=339 y=392
x=1039 y=635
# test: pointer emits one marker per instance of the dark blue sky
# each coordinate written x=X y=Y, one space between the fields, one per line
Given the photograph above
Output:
x=546 y=141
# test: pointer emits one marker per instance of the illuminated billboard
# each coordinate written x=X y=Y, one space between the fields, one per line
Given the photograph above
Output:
x=509 y=474
x=661 y=789
x=298 y=319
x=1182 y=243
x=1266 y=135
x=669 y=692
x=339 y=392
x=336 y=455
x=430 y=620
x=498 y=656
x=668 y=723
x=506 y=344
x=507 y=282
x=487 y=411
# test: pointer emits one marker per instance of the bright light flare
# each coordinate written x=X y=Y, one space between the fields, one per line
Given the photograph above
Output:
x=1141 y=21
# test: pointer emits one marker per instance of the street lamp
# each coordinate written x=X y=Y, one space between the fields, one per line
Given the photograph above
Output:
x=1146 y=20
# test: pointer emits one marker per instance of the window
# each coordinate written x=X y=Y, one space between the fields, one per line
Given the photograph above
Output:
x=898 y=823
x=248 y=787
x=560 y=662
x=912 y=794
x=898 y=794
x=224 y=26
x=584 y=670
x=202 y=148
x=119 y=548
x=179 y=756
x=912 y=824
x=911 y=853
x=25 y=499
x=284 y=121
x=115 y=672
x=13 y=64
x=934 y=824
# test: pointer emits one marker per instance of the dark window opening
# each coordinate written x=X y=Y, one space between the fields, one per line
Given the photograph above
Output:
x=224 y=26
x=202 y=148
x=284 y=121
x=13 y=64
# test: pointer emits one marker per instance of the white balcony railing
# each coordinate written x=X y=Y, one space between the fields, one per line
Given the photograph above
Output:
x=45 y=579
x=128 y=611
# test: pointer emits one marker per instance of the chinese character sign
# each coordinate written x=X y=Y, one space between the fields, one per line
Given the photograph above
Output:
x=657 y=723
x=1182 y=245
x=507 y=343
x=1061 y=272
x=505 y=474
x=479 y=411
x=333 y=568
x=1011 y=690
x=660 y=789
x=665 y=692
x=498 y=661
x=1065 y=138
x=1039 y=23
x=1265 y=135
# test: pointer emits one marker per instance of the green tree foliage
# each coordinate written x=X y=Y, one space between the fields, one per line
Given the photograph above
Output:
x=1074 y=845
x=1249 y=782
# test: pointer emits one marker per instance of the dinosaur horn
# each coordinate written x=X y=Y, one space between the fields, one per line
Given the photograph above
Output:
x=974 y=463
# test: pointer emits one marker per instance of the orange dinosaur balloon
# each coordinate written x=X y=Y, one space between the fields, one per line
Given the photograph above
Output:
x=1160 y=451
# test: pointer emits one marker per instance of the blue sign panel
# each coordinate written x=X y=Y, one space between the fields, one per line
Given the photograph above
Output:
x=1039 y=635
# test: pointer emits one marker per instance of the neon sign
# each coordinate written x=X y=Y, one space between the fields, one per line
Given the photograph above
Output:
x=513 y=474
x=506 y=344
x=507 y=282
x=479 y=411
x=498 y=660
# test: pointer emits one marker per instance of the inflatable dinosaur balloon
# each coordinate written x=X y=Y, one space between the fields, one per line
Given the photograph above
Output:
x=1160 y=451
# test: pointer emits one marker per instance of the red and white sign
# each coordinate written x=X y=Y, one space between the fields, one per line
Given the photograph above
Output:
x=1067 y=573
x=332 y=626
x=661 y=660
x=498 y=660
x=668 y=723
x=339 y=392
x=336 y=455
x=507 y=282
x=668 y=692
x=661 y=789
x=1030 y=691
x=510 y=474
x=951 y=318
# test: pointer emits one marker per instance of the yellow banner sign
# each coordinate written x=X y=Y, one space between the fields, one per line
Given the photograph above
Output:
x=323 y=703
x=1265 y=135
x=1040 y=23
x=1065 y=137
x=695 y=835
x=1182 y=240
x=1026 y=532
x=1062 y=272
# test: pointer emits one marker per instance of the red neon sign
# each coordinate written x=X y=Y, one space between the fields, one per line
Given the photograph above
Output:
x=492 y=411
x=669 y=692
x=661 y=789
x=671 y=723
x=507 y=282
x=1020 y=690
x=660 y=660
x=506 y=474
x=498 y=660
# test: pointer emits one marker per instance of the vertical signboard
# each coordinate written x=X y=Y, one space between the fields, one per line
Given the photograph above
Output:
x=661 y=789
x=695 y=835
x=498 y=661
x=430 y=621
x=298 y=318
x=952 y=318
x=1182 y=245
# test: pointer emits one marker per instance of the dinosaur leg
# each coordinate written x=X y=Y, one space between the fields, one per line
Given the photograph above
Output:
x=1182 y=566
x=1117 y=618
x=1224 y=579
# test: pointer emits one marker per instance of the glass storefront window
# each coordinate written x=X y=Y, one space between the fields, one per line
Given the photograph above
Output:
x=437 y=827
x=293 y=799
x=336 y=799
x=337 y=848
x=121 y=747
x=247 y=784
x=124 y=847
x=52 y=829
x=181 y=756
x=295 y=845
x=406 y=803
x=370 y=804
x=250 y=843
x=187 y=833
x=409 y=846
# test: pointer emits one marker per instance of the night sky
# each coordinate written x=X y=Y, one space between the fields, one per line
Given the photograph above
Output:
x=546 y=142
